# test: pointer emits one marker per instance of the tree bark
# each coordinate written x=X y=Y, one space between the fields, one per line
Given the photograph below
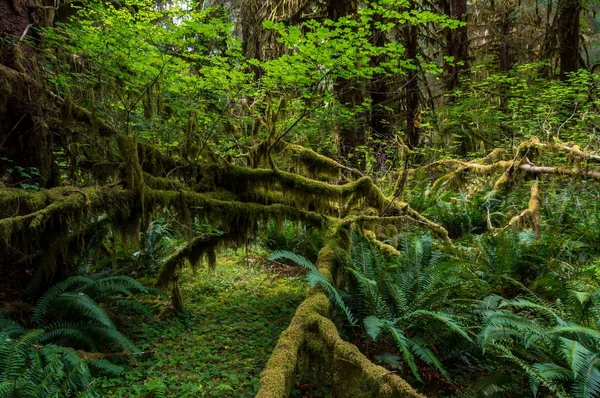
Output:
x=457 y=42
x=382 y=132
x=351 y=136
x=413 y=139
x=568 y=36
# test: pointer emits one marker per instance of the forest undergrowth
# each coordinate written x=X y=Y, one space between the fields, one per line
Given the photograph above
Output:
x=220 y=345
x=412 y=189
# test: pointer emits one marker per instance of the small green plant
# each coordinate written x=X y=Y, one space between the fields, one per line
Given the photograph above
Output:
x=69 y=311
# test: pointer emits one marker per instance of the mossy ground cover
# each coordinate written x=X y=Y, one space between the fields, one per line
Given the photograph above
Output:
x=220 y=345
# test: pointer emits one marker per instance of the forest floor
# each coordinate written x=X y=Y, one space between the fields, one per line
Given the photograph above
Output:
x=220 y=345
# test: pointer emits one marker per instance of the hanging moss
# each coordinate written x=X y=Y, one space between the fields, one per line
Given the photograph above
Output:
x=530 y=148
x=201 y=247
x=43 y=15
x=156 y=162
x=313 y=164
x=82 y=115
x=128 y=150
x=107 y=171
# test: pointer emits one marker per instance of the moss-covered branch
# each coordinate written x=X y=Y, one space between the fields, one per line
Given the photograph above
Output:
x=530 y=217
x=318 y=165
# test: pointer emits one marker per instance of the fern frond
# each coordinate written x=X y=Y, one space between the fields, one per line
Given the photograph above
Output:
x=104 y=286
x=11 y=328
x=102 y=332
x=373 y=327
x=73 y=332
x=134 y=305
x=317 y=278
x=104 y=367
x=446 y=319
x=577 y=330
x=13 y=353
x=296 y=258
x=403 y=346
x=84 y=305
x=426 y=355
x=534 y=374
x=526 y=304
x=45 y=302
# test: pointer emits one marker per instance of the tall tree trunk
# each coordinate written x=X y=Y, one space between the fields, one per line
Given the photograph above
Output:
x=413 y=139
x=568 y=36
x=457 y=42
x=382 y=133
x=25 y=136
x=504 y=26
x=349 y=93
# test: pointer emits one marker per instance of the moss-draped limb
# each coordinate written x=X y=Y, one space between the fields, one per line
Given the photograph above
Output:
x=199 y=248
x=411 y=216
x=491 y=164
x=530 y=217
x=82 y=115
x=65 y=205
x=278 y=377
x=318 y=165
x=560 y=171
x=15 y=202
x=232 y=214
x=556 y=145
x=384 y=248
x=372 y=380
x=300 y=190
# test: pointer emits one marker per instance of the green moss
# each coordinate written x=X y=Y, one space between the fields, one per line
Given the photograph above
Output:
x=5 y=93
x=106 y=171
x=313 y=164
x=14 y=202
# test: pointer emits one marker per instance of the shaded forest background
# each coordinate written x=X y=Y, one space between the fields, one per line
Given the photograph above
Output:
x=437 y=162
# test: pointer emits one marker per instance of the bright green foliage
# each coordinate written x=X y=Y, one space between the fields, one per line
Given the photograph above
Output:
x=505 y=108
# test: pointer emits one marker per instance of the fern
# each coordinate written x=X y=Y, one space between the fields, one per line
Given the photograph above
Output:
x=315 y=277
x=28 y=369
x=397 y=298
x=82 y=304
x=44 y=304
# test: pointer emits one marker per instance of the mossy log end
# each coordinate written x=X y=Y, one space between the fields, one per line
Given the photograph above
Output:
x=312 y=336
